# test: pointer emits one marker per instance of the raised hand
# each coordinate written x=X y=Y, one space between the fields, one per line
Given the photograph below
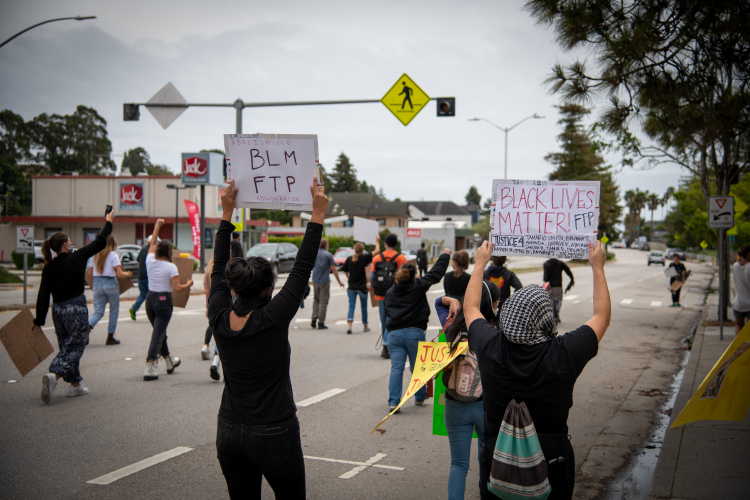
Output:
x=482 y=255
x=597 y=255
x=320 y=201
x=228 y=200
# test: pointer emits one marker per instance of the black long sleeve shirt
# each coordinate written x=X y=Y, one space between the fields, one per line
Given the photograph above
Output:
x=553 y=270
x=65 y=276
x=406 y=303
x=255 y=359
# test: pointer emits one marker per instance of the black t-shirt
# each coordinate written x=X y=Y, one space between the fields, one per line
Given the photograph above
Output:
x=456 y=287
x=680 y=268
x=357 y=273
x=551 y=394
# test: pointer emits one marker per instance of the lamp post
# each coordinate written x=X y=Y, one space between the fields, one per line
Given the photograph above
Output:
x=373 y=206
x=506 y=130
x=177 y=206
x=76 y=18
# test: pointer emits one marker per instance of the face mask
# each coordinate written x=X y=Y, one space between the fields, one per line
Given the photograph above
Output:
x=68 y=247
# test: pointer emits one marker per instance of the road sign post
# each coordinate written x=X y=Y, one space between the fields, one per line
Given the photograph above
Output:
x=721 y=218
x=25 y=246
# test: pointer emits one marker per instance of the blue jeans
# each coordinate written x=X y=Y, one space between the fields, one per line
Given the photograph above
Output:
x=460 y=420
x=353 y=294
x=383 y=321
x=143 y=287
x=403 y=343
x=106 y=289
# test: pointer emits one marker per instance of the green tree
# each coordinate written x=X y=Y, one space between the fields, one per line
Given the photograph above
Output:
x=344 y=176
x=14 y=149
x=635 y=200
x=580 y=160
x=653 y=201
x=136 y=160
x=473 y=197
x=325 y=179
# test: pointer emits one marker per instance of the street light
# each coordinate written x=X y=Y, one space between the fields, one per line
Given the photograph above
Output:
x=506 y=130
x=371 y=207
x=76 y=18
x=177 y=206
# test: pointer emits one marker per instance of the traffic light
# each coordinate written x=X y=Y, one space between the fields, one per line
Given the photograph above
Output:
x=131 y=112
x=446 y=106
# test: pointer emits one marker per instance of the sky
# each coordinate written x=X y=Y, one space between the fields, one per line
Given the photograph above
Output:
x=488 y=54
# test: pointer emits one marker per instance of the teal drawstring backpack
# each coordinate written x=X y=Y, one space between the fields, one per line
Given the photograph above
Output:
x=519 y=470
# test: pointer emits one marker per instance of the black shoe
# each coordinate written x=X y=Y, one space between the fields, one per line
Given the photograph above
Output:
x=394 y=408
x=215 y=372
x=321 y=326
x=384 y=353
x=314 y=322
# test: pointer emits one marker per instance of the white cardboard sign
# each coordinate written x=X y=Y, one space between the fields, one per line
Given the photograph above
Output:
x=544 y=218
x=365 y=230
x=273 y=171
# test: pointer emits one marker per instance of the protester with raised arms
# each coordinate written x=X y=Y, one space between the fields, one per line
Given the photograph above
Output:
x=258 y=433
x=107 y=270
x=530 y=363
x=356 y=270
x=163 y=279
x=63 y=277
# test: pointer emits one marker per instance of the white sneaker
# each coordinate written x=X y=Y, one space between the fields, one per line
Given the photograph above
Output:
x=172 y=363
x=49 y=383
x=204 y=353
x=150 y=372
x=77 y=391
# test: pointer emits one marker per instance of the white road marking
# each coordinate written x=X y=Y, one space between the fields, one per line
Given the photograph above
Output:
x=437 y=291
x=301 y=320
x=656 y=303
x=360 y=468
x=344 y=322
x=189 y=312
x=390 y=467
x=433 y=328
x=139 y=466
x=337 y=294
x=576 y=301
x=626 y=302
x=320 y=397
x=570 y=297
x=649 y=277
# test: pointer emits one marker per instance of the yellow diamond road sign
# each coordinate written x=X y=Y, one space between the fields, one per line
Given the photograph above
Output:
x=704 y=244
x=405 y=99
x=605 y=240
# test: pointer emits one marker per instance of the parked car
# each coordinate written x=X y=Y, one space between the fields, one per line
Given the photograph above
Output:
x=38 y=257
x=471 y=252
x=645 y=247
x=410 y=255
x=617 y=244
x=669 y=254
x=281 y=255
x=656 y=257
x=341 y=255
x=128 y=255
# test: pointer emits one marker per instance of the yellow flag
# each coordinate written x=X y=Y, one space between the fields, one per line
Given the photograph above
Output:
x=432 y=357
x=725 y=392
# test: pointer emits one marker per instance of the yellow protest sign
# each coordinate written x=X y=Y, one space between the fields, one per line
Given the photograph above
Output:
x=405 y=99
x=725 y=392
x=432 y=357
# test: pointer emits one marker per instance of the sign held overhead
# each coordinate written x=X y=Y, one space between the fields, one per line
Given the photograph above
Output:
x=365 y=230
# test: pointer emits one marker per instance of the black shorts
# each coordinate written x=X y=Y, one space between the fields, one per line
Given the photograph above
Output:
x=741 y=314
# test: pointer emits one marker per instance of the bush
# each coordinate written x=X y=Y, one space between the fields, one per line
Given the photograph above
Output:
x=6 y=277
x=18 y=259
x=610 y=256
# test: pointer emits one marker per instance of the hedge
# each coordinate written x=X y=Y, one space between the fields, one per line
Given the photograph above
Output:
x=18 y=259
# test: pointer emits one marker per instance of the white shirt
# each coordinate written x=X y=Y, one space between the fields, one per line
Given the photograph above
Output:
x=741 y=287
x=109 y=265
x=160 y=274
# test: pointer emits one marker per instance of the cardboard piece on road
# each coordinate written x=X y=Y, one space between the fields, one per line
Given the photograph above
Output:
x=366 y=230
x=26 y=346
x=432 y=357
x=725 y=392
x=185 y=268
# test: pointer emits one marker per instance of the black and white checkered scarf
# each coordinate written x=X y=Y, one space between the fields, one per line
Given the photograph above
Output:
x=527 y=317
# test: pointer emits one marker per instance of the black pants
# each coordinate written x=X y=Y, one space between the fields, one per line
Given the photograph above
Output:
x=562 y=472
x=422 y=270
x=675 y=295
x=159 y=312
x=209 y=333
x=247 y=453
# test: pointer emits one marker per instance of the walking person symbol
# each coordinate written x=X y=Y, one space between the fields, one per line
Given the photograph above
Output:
x=407 y=95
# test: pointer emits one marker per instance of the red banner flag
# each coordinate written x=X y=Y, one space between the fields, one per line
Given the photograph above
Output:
x=194 y=215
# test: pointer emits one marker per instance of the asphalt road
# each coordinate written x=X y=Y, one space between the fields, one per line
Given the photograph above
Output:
x=51 y=451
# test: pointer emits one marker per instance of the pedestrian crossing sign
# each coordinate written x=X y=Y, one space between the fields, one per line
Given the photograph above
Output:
x=405 y=99
x=238 y=219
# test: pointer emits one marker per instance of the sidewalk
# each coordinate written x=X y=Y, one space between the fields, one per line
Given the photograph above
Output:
x=707 y=459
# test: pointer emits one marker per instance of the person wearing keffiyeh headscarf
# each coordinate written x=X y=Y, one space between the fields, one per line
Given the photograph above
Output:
x=527 y=361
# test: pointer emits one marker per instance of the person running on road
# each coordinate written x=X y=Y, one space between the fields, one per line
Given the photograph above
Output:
x=422 y=260
x=107 y=270
x=456 y=281
x=407 y=311
x=462 y=418
x=356 y=270
x=741 y=303
x=390 y=253
x=503 y=278
x=142 y=280
x=553 y=270
x=681 y=276
x=63 y=277
x=163 y=279
x=258 y=433
x=528 y=357
x=324 y=265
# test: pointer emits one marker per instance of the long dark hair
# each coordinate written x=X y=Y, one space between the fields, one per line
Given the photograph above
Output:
x=453 y=333
x=250 y=278
x=54 y=243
